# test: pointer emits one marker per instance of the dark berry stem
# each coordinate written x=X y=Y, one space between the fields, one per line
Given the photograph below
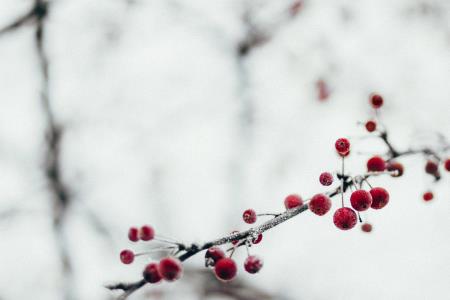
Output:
x=342 y=181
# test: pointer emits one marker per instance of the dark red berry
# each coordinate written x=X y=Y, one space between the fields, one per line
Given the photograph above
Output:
x=447 y=164
x=253 y=264
x=126 y=256
x=371 y=126
x=146 y=233
x=133 y=234
x=235 y=241
x=345 y=218
x=320 y=204
x=249 y=216
x=431 y=167
x=376 y=101
x=212 y=255
x=376 y=164
x=151 y=273
x=258 y=239
x=170 y=268
x=295 y=7
x=342 y=146
x=428 y=196
x=361 y=200
x=225 y=269
x=326 y=178
x=366 y=227
x=322 y=90
x=395 y=166
x=292 y=201
x=380 y=197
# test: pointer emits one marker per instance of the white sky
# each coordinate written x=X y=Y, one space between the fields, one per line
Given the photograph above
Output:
x=152 y=96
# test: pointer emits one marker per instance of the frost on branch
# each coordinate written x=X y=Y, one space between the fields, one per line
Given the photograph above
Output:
x=363 y=197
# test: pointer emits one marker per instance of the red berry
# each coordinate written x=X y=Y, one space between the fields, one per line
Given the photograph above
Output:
x=376 y=101
x=147 y=233
x=380 y=197
x=395 y=166
x=326 y=178
x=431 y=167
x=371 y=126
x=428 y=196
x=126 y=256
x=170 y=268
x=225 y=269
x=236 y=241
x=257 y=239
x=323 y=90
x=345 y=218
x=133 y=234
x=320 y=204
x=376 y=164
x=295 y=7
x=447 y=164
x=293 y=201
x=249 y=216
x=361 y=200
x=366 y=227
x=253 y=264
x=212 y=255
x=342 y=146
x=151 y=273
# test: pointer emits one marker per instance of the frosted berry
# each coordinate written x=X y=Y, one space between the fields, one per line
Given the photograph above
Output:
x=151 y=273
x=366 y=227
x=258 y=239
x=133 y=234
x=361 y=200
x=293 y=201
x=235 y=241
x=342 y=146
x=213 y=255
x=345 y=218
x=320 y=204
x=431 y=167
x=447 y=164
x=428 y=196
x=146 y=233
x=376 y=164
x=170 y=268
x=371 y=126
x=380 y=197
x=395 y=166
x=249 y=216
x=376 y=101
x=253 y=264
x=326 y=178
x=225 y=269
x=126 y=256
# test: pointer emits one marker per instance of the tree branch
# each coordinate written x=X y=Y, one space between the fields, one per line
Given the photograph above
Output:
x=242 y=237
x=394 y=153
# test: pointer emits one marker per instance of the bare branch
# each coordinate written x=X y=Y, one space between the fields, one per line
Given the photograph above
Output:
x=251 y=233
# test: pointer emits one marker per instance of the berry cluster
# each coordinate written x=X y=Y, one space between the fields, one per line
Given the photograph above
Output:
x=378 y=164
x=363 y=197
x=168 y=268
x=346 y=218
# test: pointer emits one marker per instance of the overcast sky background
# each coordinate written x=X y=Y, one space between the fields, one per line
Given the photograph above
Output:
x=164 y=123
